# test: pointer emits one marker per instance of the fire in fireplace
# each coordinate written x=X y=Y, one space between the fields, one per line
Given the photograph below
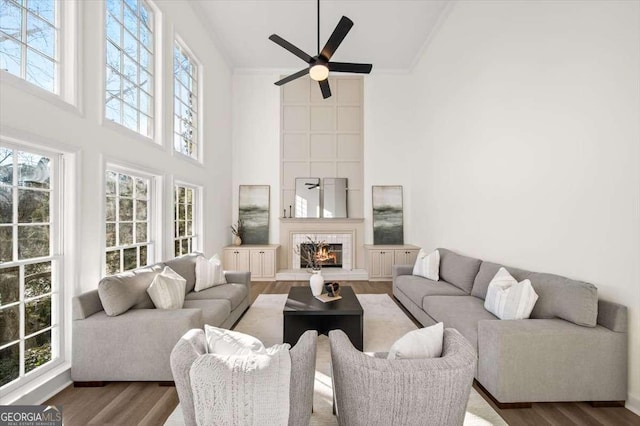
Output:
x=330 y=256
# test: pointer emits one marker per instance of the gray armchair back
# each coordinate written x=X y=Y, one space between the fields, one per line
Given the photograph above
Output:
x=375 y=391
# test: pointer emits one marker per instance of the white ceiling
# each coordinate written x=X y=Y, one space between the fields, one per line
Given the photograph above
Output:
x=388 y=34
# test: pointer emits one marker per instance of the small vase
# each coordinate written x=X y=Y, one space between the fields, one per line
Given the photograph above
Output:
x=237 y=241
x=316 y=282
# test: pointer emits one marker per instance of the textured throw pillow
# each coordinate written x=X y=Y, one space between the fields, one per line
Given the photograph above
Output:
x=428 y=265
x=209 y=272
x=422 y=343
x=509 y=299
x=167 y=289
x=226 y=342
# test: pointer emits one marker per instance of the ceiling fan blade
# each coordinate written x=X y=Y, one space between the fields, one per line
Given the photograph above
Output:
x=324 y=87
x=336 y=38
x=291 y=48
x=349 y=67
x=292 y=77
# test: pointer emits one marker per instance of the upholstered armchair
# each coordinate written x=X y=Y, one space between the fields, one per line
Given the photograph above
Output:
x=303 y=362
x=377 y=391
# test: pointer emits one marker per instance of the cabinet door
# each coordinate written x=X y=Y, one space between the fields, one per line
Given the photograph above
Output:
x=375 y=263
x=387 y=263
x=242 y=260
x=229 y=260
x=412 y=255
x=399 y=257
x=255 y=263
x=268 y=263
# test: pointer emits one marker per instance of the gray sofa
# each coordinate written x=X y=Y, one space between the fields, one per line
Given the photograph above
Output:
x=118 y=335
x=573 y=347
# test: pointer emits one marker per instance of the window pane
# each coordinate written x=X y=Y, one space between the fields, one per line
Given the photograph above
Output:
x=112 y=178
x=6 y=165
x=115 y=8
x=145 y=15
x=114 y=108
x=40 y=71
x=126 y=186
x=41 y=35
x=33 y=241
x=111 y=209
x=181 y=228
x=130 y=259
x=43 y=8
x=133 y=4
x=6 y=244
x=130 y=21
x=141 y=188
x=126 y=233
x=9 y=285
x=141 y=232
x=6 y=204
x=37 y=351
x=176 y=248
x=126 y=209
x=9 y=324
x=33 y=170
x=9 y=363
x=114 y=30
x=37 y=315
x=141 y=210
x=130 y=71
x=37 y=279
x=11 y=19
x=113 y=57
x=189 y=211
x=146 y=82
x=143 y=256
x=10 y=55
x=113 y=262
x=130 y=117
x=181 y=196
x=145 y=38
x=189 y=228
x=33 y=206
x=111 y=235
x=185 y=246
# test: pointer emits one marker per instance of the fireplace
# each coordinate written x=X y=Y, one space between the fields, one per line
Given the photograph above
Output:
x=331 y=256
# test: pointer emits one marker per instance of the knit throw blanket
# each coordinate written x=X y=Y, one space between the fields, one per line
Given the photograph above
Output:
x=242 y=390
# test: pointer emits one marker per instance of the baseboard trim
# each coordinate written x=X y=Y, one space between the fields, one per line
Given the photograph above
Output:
x=633 y=404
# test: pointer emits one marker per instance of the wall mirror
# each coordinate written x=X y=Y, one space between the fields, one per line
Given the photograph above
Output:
x=335 y=197
x=307 y=202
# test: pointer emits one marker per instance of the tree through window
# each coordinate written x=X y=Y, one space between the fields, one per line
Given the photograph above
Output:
x=185 y=90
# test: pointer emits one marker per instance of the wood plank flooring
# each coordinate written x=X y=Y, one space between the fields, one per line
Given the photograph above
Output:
x=146 y=403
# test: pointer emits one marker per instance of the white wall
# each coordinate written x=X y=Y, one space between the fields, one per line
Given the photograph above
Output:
x=526 y=144
x=35 y=119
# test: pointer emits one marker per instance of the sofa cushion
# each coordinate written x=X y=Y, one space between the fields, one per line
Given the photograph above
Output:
x=561 y=297
x=416 y=288
x=121 y=292
x=459 y=312
x=234 y=293
x=214 y=311
x=167 y=289
x=458 y=270
x=487 y=271
x=186 y=267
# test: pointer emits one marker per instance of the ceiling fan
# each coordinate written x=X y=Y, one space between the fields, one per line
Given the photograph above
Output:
x=320 y=65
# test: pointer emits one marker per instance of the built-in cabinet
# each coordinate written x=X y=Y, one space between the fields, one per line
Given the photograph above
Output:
x=260 y=260
x=380 y=259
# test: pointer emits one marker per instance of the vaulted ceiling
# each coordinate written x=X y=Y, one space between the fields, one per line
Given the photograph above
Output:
x=388 y=34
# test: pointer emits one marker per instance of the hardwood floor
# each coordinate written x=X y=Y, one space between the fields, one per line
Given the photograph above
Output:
x=146 y=403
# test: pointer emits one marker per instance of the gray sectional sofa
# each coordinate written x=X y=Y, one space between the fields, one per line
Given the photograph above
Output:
x=118 y=335
x=573 y=347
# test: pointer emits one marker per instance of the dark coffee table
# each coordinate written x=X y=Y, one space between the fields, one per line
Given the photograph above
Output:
x=304 y=312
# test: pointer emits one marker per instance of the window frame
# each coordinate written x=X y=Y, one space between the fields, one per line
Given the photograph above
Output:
x=196 y=227
x=154 y=200
x=58 y=317
x=199 y=133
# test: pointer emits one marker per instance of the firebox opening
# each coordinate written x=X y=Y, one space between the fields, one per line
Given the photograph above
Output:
x=331 y=256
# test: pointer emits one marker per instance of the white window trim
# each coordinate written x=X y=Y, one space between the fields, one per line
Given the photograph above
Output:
x=158 y=76
x=200 y=83
x=154 y=208
x=58 y=220
x=197 y=216
x=67 y=77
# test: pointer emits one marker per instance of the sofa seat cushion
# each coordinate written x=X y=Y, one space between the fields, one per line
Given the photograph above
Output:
x=459 y=312
x=458 y=270
x=234 y=293
x=214 y=311
x=416 y=288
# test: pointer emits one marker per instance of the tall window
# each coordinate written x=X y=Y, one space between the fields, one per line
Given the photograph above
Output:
x=128 y=239
x=129 y=65
x=29 y=304
x=185 y=89
x=185 y=234
x=28 y=35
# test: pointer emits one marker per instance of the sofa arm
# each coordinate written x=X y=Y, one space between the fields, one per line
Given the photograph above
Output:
x=612 y=315
x=238 y=277
x=551 y=360
x=188 y=349
x=86 y=304
x=402 y=270
x=303 y=366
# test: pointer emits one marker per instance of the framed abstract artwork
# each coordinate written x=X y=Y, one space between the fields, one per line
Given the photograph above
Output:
x=387 y=215
x=253 y=211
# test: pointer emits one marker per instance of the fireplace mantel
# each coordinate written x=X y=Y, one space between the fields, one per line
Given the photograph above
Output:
x=292 y=226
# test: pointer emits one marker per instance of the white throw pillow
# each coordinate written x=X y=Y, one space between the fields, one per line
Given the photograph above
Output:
x=509 y=299
x=422 y=343
x=428 y=266
x=167 y=289
x=226 y=342
x=209 y=272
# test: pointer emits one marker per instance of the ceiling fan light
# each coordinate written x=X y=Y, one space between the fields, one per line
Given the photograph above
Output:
x=319 y=72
